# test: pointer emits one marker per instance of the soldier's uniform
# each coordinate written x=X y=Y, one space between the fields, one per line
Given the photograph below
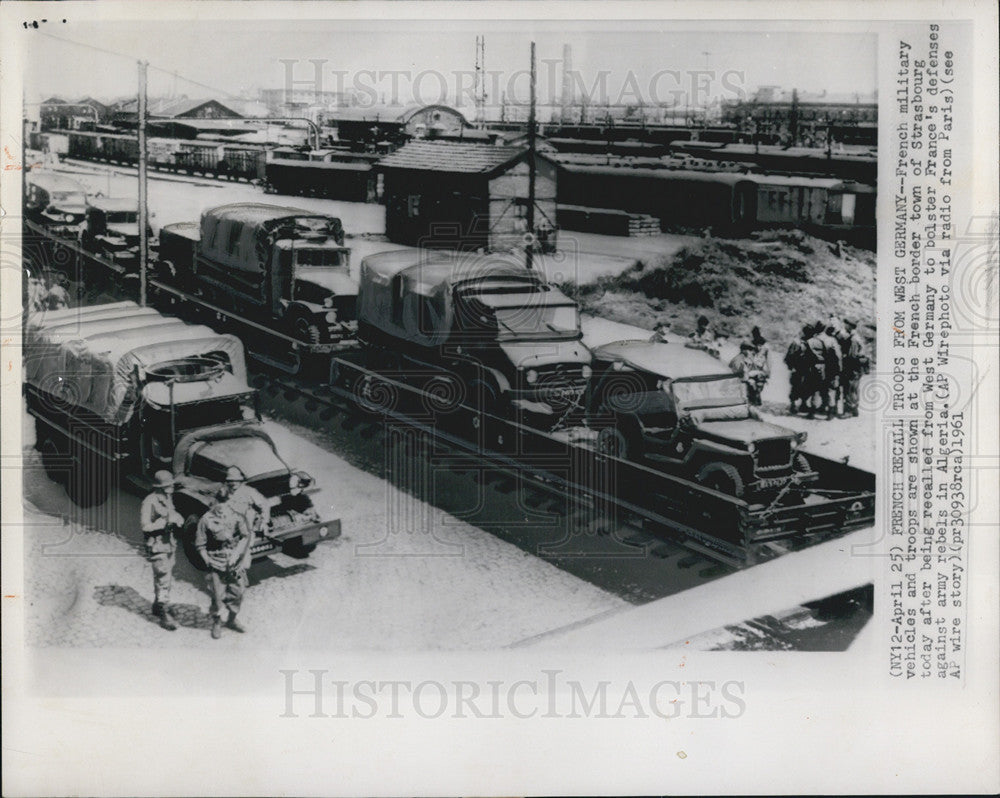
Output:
x=747 y=368
x=814 y=374
x=223 y=540
x=796 y=360
x=855 y=365
x=247 y=501
x=158 y=520
x=834 y=366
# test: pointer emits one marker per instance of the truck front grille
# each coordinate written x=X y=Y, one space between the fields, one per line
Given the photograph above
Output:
x=559 y=386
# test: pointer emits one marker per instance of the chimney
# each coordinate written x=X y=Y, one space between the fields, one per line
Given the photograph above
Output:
x=567 y=83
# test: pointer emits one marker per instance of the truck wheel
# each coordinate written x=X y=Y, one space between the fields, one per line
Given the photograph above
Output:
x=53 y=451
x=187 y=541
x=721 y=477
x=304 y=329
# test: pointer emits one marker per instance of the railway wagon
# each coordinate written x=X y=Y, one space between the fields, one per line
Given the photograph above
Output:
x=352 y=180
x=242 y=162
x=196 y=157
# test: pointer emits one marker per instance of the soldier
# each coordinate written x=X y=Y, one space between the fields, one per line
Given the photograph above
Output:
x=223 y=540
x=159 y=520
x=814 y=372
x=796 y=359
x=761 y=357
x=704 y=337
x=56 y=297
x=856 y=363
x=833 y=361
x=660 y=331
x=247 y=501
x=745 y=366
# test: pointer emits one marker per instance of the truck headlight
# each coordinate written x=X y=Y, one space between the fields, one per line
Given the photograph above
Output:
x=331 y=317
x=328 y=302
x=794 y=443
x=752 y=447
x=586 y=371
x=531 y=376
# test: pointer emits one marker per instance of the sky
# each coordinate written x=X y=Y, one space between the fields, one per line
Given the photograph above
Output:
x=616 y=63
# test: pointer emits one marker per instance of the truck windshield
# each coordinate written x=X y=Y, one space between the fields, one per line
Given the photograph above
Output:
x=123 y=217
x=723 y=391
x=221 y=410
x=538 y=322
x=319 y=257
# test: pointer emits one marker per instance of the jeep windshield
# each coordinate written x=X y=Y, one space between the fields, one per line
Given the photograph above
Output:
x=722 y=391
x=319 y=257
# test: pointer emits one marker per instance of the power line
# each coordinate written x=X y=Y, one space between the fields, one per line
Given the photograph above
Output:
x=170 y=72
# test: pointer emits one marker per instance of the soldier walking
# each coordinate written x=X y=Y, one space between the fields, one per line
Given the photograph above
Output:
x=856 y=363
x=223 y=540
x=159 y=521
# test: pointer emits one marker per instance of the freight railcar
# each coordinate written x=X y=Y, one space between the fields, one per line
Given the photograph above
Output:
x=328 y=174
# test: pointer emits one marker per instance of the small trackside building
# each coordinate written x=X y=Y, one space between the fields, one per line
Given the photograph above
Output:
x=467 y=196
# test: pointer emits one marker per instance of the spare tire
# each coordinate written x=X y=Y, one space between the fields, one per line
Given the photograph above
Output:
x=722 y=477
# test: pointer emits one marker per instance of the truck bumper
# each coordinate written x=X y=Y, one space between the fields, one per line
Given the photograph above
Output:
x=303 y=537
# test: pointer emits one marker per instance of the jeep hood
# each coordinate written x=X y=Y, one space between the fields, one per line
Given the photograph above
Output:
x=533 y=354
x=743 y=430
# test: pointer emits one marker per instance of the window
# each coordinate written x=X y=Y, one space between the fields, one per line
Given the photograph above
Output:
x=413 y=205
x=234 y=237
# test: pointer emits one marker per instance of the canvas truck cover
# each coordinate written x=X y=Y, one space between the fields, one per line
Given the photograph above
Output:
x=411 y=297
x=88 y=357
x=241 y=236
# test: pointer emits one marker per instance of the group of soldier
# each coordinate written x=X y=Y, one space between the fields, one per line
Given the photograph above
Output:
x=223 y=540
x=47 y=294
x=825 y=365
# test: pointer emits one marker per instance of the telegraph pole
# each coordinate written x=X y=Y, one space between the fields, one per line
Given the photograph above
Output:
x=529 y=249
x=143 y=198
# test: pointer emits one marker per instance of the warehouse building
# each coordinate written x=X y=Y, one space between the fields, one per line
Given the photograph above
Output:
x=468 y=196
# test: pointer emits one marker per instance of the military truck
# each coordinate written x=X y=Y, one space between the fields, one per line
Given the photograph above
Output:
x=111 y=230
x=677 y=407
x=119 y=392
x=276 y=266
x=53 y=201
x=510 y=340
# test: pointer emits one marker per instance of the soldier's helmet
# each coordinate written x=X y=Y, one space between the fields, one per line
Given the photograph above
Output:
x=163 y=479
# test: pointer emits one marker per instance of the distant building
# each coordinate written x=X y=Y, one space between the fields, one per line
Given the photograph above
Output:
x=398 y=123
x=180 y=108
x=466 y=196
x=793 y=117
x=56 y=113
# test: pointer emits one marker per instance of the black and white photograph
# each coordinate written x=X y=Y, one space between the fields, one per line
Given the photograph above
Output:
x=470 y=368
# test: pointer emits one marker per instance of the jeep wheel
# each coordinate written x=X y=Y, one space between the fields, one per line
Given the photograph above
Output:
x=612 y=442
x=721 y=477
x=297 y=549
x=800 y=465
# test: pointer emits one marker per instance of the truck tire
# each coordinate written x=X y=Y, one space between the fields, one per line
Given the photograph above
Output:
x=187 y=542
x=297 y=549
x=722 y=477
x=304 y=329
x=52 y=447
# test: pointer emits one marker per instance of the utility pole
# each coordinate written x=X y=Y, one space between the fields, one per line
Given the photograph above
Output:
x=143 y=199
x=529 y=249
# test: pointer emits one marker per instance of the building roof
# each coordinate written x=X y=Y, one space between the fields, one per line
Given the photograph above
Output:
x=170 y=108
x=451 y=157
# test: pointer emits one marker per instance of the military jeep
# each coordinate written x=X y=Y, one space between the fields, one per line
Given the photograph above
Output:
x=111 y=230
x=676 y=407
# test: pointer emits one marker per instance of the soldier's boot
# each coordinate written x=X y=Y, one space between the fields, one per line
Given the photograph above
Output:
x=217 y=628
x=235 y=625
x=167 y=619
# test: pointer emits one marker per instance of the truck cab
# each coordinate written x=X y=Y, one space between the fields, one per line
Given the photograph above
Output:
x=673 y=405
x=512 y=339
x=269 y=263
x=111 y=230
x=54 y=201
x=121 y=392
